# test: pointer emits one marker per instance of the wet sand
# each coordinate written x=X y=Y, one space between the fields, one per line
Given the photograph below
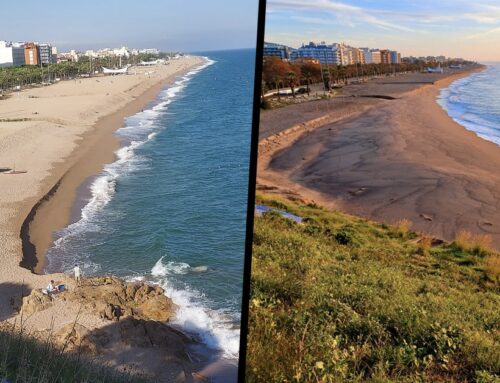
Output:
x=399 y=158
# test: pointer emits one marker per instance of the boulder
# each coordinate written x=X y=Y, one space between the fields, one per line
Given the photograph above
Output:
x=75 y=337
x=36 y=301
x=138 y=299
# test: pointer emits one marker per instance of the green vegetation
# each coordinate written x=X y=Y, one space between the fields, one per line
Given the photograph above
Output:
x=342 y=299
x=26 y=359
x=26 y=75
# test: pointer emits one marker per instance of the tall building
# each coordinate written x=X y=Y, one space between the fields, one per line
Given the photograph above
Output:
x=357 y=55
x=385 y=56
x=277 y=50
x=395 y=57
x=45 y=53
x=31 y=54
x=326 y=54
x=11 y=54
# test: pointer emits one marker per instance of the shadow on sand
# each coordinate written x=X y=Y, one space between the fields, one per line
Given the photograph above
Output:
x=8 y=292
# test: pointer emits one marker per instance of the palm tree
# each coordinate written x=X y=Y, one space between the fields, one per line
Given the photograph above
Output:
x=291 y=77
x=277 y=80
x=307 y=77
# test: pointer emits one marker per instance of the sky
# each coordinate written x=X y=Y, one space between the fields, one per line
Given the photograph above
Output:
x=169 y=25
x=454 y=28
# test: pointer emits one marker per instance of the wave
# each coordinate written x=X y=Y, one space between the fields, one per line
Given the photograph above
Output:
x=138 y=130
x=215 y=328
x=472 y=103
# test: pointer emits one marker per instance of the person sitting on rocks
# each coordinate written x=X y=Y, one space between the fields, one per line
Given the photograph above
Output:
x=51 y=288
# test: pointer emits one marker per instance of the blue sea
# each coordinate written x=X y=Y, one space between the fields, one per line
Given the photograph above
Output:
x=473 y=102
x=172 y=208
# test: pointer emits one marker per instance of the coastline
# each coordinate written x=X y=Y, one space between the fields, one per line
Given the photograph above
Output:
x=57 y=133
x=97 y=149
x=397 y=159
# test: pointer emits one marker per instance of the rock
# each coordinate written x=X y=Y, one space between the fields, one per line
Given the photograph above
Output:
x=146 y=333
x=36 y=301
x=199 y=269
x=112 y=298
x=426 y=217
x=75 y=337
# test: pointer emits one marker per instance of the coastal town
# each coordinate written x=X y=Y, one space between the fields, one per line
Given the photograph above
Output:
x=28 y=64
x=34 y=53
x=343 y=54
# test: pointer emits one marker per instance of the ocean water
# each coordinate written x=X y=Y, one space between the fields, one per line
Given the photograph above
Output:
x=473 y=102
x=172 y=208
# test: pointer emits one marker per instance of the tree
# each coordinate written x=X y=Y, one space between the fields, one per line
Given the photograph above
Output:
x=292 y=78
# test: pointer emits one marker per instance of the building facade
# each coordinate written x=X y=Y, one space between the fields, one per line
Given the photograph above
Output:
x=45 y=54
x=385 y=56
x=325 y=54
x=31 y=54
x=395 y=57
x=11 y=54
x=277 y=50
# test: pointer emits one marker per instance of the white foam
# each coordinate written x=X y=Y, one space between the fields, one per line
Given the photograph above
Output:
x=451 y=99
x=139 y=129
x=214 y=328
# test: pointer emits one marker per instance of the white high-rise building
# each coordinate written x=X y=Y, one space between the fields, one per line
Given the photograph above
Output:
x=11 y=54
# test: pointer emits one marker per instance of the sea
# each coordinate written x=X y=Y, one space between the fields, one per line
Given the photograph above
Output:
x=472 y=102
x=171 y=209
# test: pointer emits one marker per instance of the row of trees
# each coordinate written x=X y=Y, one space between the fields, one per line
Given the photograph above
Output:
x=277 y=74
x=29 y=74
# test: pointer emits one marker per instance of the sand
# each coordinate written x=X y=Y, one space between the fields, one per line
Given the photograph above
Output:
x=393 y=159
x=67 y=137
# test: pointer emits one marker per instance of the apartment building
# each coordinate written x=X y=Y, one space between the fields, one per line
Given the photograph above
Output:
x=11 y=54
x=31 y=54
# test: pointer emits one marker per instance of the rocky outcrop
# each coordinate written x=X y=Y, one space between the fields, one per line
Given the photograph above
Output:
x=36 y=301
x=113 y=298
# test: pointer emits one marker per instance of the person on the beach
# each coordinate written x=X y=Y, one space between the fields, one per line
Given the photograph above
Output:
x=77 y=275
x=51 y=288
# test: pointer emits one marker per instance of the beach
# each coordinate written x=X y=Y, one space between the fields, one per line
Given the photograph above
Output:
x=386 y=159
x=60 y=134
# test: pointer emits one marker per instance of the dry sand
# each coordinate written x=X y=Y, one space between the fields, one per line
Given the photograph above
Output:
x=393 y=159
x=67 y=138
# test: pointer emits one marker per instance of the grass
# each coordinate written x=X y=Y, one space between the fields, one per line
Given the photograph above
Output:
x=342 y=299
x=476 y=244
x=26 y=359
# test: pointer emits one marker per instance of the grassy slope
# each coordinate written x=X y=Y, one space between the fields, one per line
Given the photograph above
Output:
x=342 y=299
x=24 y=359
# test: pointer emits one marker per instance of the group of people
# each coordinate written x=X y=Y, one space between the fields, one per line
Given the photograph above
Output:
x=52 y=288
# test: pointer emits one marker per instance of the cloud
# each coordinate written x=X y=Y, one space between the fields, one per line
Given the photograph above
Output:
x=346 y=13
x=388 y=19
x=484 y=33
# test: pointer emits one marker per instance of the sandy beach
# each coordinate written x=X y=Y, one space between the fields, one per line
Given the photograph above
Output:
x=60 y=134
x=385 y=159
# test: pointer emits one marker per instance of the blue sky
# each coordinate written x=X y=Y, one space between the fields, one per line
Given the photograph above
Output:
x=456 y=28
x=187 y=25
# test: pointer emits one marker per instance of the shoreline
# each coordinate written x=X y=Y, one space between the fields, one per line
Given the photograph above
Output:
x=98 y=146
x=389 y=162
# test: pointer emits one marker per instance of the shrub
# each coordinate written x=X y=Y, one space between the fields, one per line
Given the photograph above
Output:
x=492 y=267
x=401 y=228
x=424 y=246
x=477 y=244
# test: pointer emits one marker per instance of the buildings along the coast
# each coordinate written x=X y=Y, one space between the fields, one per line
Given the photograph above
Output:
x=16 y=54
x=332 y=54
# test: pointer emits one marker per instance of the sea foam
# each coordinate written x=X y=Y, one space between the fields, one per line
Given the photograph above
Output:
x=472 y=102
